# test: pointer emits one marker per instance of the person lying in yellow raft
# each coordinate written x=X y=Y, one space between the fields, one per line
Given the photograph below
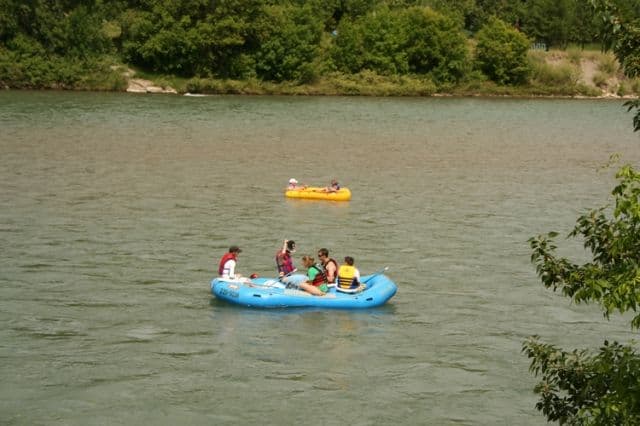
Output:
x=333 y=192
x=293 y=184
x=333 y=187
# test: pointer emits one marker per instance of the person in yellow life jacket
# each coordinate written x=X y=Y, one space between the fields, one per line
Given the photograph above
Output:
x=348 y=275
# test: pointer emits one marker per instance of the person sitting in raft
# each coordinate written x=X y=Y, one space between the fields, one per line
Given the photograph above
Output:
x=330 y=266
x=316 y=276
x=315 y=279
x=334 y=187
x=228 y=262
x=349 y=277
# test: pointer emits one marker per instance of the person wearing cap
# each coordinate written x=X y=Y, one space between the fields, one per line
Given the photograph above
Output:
x=293 y=184
x=284 y=261
x=228 y=262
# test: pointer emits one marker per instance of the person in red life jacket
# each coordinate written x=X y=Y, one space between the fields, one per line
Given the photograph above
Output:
x=228 y=262
x=329 y=264
x=316 y=283
x=284 y=261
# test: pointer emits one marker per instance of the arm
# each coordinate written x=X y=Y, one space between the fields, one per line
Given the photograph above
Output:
x=331 y=272
x=280 y=262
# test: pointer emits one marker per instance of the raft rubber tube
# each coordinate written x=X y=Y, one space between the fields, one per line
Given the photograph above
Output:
x=271 y=293
x=319 y=193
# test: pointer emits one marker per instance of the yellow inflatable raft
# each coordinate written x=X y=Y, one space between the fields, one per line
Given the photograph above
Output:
x=318 y=193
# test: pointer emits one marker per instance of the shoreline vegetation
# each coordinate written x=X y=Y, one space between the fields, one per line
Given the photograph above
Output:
x=318 y=47
x=571 y=73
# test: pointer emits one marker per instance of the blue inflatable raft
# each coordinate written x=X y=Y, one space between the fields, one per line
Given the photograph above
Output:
x=271 y=293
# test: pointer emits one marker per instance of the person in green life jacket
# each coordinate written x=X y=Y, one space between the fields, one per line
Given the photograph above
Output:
x=316 y=283
x=348 y=276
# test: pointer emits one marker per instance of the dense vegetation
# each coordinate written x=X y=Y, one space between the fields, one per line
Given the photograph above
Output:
x=428 y=43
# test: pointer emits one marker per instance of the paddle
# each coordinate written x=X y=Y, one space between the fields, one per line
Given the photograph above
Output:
x=381 y=271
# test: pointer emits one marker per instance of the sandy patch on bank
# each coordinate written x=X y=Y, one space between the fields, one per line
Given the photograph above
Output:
x=140 y=85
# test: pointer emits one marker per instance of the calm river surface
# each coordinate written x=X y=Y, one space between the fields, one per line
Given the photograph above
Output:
x=116 y=208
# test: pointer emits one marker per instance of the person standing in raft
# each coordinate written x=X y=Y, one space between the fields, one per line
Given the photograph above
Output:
x=330 y=266
x=228 y=262
x=284 y=261
x=348 y=277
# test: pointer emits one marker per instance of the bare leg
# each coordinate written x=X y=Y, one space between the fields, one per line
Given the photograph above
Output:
x=311 y=289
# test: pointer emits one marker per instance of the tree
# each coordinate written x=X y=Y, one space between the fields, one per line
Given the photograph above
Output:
x=373 y=42
x=191 y=37
x=576 y=387
x=501 y=53
x=289 y=41
x=549 y=21
x=400 y=41
x=434 y=44
x=620 y=32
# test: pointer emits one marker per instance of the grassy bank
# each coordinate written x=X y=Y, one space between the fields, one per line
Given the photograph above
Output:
x=569 y=73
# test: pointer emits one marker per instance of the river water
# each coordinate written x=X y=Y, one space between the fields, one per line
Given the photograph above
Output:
x=116 y=209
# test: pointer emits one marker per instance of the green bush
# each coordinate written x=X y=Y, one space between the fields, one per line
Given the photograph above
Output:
x=289 y=40
x=403 y=41
x=501 y=53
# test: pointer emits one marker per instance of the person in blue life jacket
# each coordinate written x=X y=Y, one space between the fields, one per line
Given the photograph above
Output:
x=348 y=275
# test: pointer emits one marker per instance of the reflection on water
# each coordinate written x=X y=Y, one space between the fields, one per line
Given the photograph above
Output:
x=116 y=209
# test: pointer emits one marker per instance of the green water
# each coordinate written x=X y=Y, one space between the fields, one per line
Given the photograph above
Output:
x=116 y=208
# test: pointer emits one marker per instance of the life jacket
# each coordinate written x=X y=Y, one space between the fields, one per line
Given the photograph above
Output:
x=225 y=258
x=331 y=260
x=321 y=276
x=346 y=277
x=284 y=262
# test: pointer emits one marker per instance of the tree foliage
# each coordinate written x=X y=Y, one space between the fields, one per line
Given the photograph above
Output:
x=501 y=53
x=582 y=389
x=620 y=32
x=298 y=40
x=612 y=278
x=289 y=41
x=400 y=41
x=576 y=387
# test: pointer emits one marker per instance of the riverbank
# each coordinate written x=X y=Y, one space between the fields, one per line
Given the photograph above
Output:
x=555 y=73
